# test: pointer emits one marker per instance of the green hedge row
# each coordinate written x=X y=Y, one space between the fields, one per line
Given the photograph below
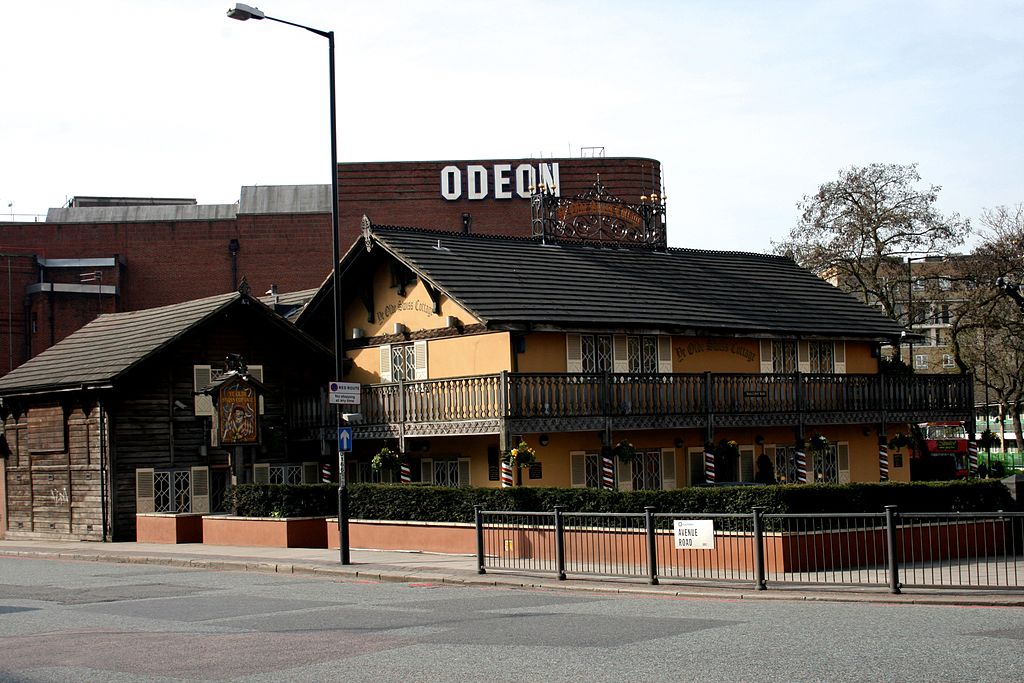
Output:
x=440 y=504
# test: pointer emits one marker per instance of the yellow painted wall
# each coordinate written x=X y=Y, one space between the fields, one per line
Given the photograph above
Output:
x=545 y=352
x=414 y=310
x=710 y=354
x=475 y=354
x=858 y=358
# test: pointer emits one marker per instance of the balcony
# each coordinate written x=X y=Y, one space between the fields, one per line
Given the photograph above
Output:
x=533 y=402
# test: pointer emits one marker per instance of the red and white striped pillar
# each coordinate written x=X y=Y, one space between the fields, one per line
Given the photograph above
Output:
x=801 y=466
x=506 y=475
x=883 y=462
x=607 y=474
x=325 y=473
x=709 y=466
x=404 y=473
x=972 y=457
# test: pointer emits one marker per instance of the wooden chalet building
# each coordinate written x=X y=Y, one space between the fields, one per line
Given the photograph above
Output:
x=466 y=344
x=157 y=410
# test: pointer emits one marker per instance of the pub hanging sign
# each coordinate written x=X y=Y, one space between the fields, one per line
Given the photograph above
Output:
x=238 y=413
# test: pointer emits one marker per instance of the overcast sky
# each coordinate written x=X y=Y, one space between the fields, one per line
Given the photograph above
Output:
x=748 y=105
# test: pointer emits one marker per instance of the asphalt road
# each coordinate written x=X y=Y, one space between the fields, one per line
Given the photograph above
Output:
x=87 y=621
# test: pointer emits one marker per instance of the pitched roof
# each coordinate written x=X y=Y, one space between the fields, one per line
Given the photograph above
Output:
x=114 y=343
x=507 y=280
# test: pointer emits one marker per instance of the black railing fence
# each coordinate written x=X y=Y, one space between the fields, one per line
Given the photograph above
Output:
x=887 y=549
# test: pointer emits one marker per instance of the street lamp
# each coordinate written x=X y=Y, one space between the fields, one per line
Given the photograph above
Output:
x=242 y=13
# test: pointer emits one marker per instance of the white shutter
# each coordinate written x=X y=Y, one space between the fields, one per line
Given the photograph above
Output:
x=202 y=376
x=573 y=353
x=261 y=473
x=427 y=470
x=803 y=356
x=843 y=461
x=257 y=372
x=766 y=356
x=839 y=354
x=420 y=351
x=310 y=473
x=620 y=354
x=385 y=364
x=200 y=490
x=664 y=354
x=695 y=465
x=144 y=490
x=578 y=469
x=668 y=468
x=746 y=472
x=624 y=473
x=464 y=472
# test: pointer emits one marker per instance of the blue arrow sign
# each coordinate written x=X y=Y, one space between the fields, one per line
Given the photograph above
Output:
x=344 y=439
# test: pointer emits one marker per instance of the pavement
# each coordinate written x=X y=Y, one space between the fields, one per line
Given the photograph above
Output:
x=420 y=567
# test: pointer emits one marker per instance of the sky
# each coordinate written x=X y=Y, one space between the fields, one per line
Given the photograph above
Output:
x=748 y=105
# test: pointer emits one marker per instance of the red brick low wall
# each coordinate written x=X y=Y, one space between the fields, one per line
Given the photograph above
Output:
x=430 y=537
x=162 y=528
x=269 y=532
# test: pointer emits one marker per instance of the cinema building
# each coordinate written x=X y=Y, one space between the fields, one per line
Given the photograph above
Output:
x=622 y=362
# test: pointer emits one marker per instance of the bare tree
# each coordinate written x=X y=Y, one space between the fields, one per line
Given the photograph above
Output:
x=987 y=326
x=856 y=230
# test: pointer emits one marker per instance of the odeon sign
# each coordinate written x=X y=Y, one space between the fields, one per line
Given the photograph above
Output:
x=501 y=181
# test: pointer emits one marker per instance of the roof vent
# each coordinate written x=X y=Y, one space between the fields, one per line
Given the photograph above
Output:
x=399 y=328
x=358 y=333
x=451 y=321
x=438 y=247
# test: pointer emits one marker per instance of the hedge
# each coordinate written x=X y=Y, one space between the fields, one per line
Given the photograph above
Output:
x=441 y=504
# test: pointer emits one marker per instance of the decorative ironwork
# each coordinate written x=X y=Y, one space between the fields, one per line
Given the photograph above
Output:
x=598 y=216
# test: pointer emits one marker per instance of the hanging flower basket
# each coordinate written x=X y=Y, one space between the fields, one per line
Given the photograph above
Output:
x=624 y=451
x=818 y=443
x=989 y=440
x=521 y=456
x=900 y=440
x=386 y=460
x=727 y=448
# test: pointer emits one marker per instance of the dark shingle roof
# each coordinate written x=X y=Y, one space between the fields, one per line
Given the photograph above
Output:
x=520 y=280
x=110 y=345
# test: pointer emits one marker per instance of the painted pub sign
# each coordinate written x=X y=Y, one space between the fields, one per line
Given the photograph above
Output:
x=238 y=413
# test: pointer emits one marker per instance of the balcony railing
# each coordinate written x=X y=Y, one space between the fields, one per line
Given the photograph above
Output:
x=523 y=396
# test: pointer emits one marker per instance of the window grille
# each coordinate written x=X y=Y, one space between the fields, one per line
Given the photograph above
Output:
x=403 y=362
x=826 y=466
x=822 y=357
x=172 y=491
x=446 y=473
x=784 y=357
x=647 y=470
x=592 y=463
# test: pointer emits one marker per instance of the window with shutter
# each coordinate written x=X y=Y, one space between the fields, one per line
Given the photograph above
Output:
x=695 y=466
x=427 y=471
x=840 y=357
x=843 y=461
x=574 y=351
x=200 y=490
x=578 y=469
x=668 y=468
x=144 y=490
x=261 y=473
x=464 y=471
x=420 y=359
x=767 y=366
x=620 y=354
x=746 y=472
x=664 y=354
x=624 y=475
x=310 y=473
x=803 y=351
x=385 y=363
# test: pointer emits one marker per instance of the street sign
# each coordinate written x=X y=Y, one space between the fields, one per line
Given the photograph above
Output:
x=695 y=534
x=344 y=392
x=344 y=439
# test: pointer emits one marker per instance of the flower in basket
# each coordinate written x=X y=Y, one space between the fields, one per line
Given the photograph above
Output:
x=989 y=440
x=521 y=456
x=818 y=443
x=727 y=447
x=386 y=460
x=624 y=451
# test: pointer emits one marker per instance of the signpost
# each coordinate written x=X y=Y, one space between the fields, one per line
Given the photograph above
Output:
x=344 y=393
x=694 y=534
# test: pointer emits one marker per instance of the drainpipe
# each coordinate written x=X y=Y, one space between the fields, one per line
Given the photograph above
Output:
x=103 y=469
x=233 y=249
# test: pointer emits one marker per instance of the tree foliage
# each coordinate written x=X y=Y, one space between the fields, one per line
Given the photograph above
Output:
x=856 y=230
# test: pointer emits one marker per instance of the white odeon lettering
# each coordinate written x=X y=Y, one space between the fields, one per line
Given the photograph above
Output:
x=505 y=181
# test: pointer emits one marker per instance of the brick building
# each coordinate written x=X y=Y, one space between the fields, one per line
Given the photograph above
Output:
x=105 y=255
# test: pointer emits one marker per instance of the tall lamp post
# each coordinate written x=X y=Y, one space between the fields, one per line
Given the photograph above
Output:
x=242 y=13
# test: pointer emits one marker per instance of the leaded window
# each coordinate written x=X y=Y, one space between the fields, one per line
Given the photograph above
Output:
x=784 y=357
x=596 y=350
x=403 y=362
x=172 y=491
x=826 y=466
x=285 y=474
x=822 y=357
x=592 y=465
x=446 y=473
x=647 y=470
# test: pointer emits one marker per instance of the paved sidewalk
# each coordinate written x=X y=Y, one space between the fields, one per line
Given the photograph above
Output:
x=416 y=567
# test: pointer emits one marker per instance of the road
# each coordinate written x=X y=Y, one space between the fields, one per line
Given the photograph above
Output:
x=86 y=621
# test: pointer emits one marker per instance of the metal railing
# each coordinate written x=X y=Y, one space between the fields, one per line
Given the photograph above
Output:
x=522 y=396
x=887 y=549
